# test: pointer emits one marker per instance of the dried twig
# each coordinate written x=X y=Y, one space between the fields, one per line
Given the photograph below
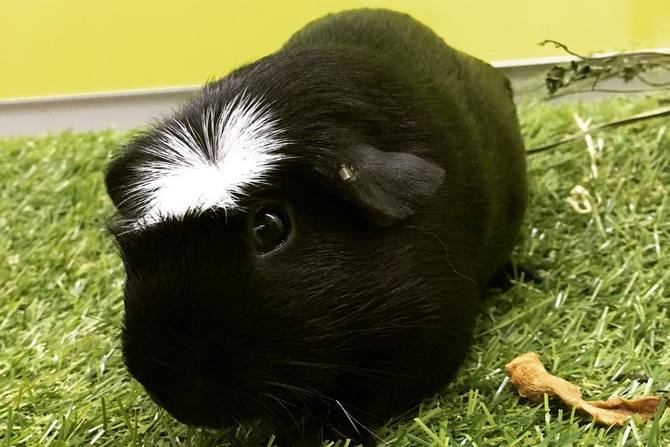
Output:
x=656 y=113
x=626 y=66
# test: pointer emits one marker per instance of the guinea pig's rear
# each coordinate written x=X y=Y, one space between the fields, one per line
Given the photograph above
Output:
x=305 y=241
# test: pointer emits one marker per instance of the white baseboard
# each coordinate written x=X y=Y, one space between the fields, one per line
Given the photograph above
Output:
x=117 y=110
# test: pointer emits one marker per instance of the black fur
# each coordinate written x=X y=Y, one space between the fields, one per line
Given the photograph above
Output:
x=370 y=305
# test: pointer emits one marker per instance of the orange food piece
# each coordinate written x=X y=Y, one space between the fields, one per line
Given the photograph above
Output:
x=532 y=381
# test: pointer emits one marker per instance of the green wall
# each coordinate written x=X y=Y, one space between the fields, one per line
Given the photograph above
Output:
x=56 y=47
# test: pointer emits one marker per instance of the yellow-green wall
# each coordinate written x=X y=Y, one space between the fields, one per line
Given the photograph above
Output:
x=54 y=47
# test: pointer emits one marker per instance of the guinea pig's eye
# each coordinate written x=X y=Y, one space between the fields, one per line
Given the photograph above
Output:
x=270 y=229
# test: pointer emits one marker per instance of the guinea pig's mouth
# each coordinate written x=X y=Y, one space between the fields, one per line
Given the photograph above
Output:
x=190 y=407
x=203 y=404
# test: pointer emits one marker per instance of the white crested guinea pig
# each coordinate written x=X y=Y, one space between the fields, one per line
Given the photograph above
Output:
x=306 y=240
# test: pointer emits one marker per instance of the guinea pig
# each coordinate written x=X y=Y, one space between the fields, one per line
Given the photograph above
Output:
x=306 y=240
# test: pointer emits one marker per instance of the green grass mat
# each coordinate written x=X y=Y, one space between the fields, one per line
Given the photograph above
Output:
x=599 y=318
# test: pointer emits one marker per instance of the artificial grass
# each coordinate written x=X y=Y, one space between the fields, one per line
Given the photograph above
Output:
x=599 y=317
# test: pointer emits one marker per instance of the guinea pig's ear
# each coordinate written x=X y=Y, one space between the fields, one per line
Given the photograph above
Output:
x=387 y=186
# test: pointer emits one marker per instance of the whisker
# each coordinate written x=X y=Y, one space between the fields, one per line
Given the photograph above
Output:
x=164 y=363
x=313 y=393
x=282 y=403
x=444 y=246
x=99 y=320
x=265 y=407
x=346 y=414
x=352 y=419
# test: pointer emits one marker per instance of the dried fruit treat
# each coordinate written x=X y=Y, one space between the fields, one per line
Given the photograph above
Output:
x=531 y=380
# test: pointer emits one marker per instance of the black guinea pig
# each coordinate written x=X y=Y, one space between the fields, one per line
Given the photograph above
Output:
x=306 y=240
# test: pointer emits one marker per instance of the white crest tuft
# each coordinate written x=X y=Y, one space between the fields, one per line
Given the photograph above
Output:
x=240 y=146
